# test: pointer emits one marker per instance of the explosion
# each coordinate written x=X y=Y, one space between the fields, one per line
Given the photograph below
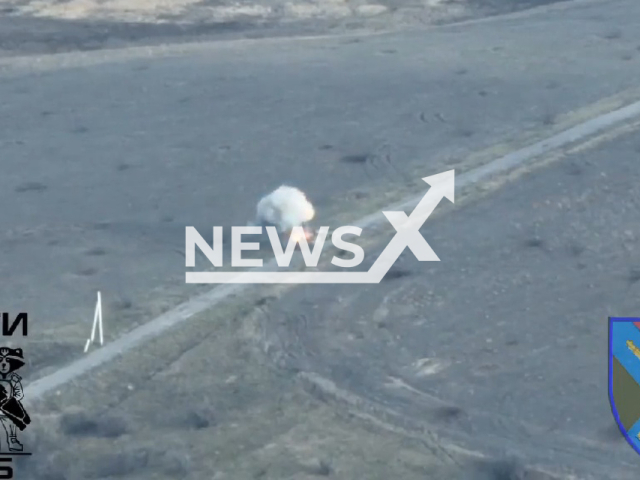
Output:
x=289 y=210
x=298 y=235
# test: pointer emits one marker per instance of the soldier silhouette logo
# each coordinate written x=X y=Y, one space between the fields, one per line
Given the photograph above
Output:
x=12 y=414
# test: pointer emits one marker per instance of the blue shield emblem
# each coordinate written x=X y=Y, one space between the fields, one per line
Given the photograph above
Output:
x=624 y=377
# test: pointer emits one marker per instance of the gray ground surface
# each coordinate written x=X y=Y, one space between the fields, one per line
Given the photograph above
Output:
x=206 y=402
x=505 y=340
x=106 y=163
x=32 y=26
x=500 y=348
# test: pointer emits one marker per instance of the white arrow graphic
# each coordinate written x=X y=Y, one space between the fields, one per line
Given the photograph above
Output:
x=408 y=228
x=97 y=322
x=407 y=235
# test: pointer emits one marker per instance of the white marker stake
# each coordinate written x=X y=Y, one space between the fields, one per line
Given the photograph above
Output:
x=97 y=321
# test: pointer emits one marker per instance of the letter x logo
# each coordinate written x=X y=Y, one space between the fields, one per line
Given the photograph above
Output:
x=408 y=227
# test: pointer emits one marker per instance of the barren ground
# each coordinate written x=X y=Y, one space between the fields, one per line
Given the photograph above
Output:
x=48 y=26
x=487 y=366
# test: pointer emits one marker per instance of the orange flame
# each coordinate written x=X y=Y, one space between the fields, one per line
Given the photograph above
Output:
x=298 y=236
